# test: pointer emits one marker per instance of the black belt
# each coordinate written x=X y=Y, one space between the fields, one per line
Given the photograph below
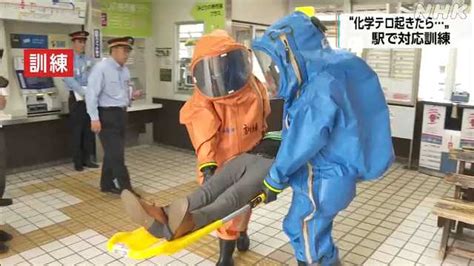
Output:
x=113 y=108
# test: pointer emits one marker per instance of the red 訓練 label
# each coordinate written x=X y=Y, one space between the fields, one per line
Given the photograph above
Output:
x=54 y=63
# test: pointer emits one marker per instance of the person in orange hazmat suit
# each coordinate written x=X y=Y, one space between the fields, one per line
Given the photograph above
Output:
x=225 y=116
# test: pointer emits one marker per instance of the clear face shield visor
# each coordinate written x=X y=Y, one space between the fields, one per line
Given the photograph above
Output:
x=267 y=71
x=224 y=74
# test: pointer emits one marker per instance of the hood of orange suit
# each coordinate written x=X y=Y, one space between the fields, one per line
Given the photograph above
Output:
x=213 y=44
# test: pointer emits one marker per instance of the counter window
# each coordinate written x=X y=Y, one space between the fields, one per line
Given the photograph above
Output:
x=188 y=34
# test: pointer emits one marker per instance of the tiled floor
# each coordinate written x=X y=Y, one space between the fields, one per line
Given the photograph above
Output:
x=60 y=218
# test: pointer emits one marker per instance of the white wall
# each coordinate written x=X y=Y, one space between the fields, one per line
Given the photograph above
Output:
x=167 y=13
x=260 y=11
x=165 y=16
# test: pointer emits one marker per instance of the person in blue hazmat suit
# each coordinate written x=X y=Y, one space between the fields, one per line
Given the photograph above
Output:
x=336 y=130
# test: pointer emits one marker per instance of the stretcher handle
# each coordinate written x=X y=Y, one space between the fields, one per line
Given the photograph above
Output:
x=252 y=204
x=257 y=200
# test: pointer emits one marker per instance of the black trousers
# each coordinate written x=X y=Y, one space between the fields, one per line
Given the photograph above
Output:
x=82 y=136
x=112 y=137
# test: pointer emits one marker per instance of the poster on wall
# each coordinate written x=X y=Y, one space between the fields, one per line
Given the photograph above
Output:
x=467 y=129
x=126 y=18
x=212 y=12
x=397 y=70
x=451 y=140
x=432 y=136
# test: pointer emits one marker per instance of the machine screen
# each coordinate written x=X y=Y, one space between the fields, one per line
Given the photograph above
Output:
x=34 y=83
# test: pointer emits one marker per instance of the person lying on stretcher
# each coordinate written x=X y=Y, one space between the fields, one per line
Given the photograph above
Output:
x=231 y=188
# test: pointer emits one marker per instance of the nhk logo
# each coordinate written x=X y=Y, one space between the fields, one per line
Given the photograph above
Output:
x=435 y=10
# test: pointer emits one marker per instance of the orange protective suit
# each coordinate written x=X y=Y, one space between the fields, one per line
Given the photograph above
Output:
x=223 y=127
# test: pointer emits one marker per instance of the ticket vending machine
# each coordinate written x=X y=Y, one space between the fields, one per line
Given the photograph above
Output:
x=40 y=93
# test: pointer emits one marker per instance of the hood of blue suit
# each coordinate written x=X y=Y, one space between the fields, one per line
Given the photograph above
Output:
x=293 y=39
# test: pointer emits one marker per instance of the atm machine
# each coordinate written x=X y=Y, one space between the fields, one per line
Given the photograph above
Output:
x=40 y=95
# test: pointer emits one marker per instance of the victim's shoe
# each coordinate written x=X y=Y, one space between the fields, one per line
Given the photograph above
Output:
x=153 y=218
x=170 y=222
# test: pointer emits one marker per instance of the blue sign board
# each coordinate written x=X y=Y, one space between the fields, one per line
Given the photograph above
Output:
x=26 y=41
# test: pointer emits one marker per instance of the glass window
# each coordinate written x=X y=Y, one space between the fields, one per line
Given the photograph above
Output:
x=243 y=34
x=463 y=79
x=434 y=62
x=188 y=34
x=437 y=70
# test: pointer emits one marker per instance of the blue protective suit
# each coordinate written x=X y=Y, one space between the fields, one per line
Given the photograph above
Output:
x=336 y=131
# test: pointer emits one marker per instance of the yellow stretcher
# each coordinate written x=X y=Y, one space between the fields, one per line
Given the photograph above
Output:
x=139 y=244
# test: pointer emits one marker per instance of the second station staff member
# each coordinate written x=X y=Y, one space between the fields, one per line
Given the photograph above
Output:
x=82 y=136
x=107 y=98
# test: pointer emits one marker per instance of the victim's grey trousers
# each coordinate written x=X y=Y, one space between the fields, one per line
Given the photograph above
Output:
x=229 y=189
